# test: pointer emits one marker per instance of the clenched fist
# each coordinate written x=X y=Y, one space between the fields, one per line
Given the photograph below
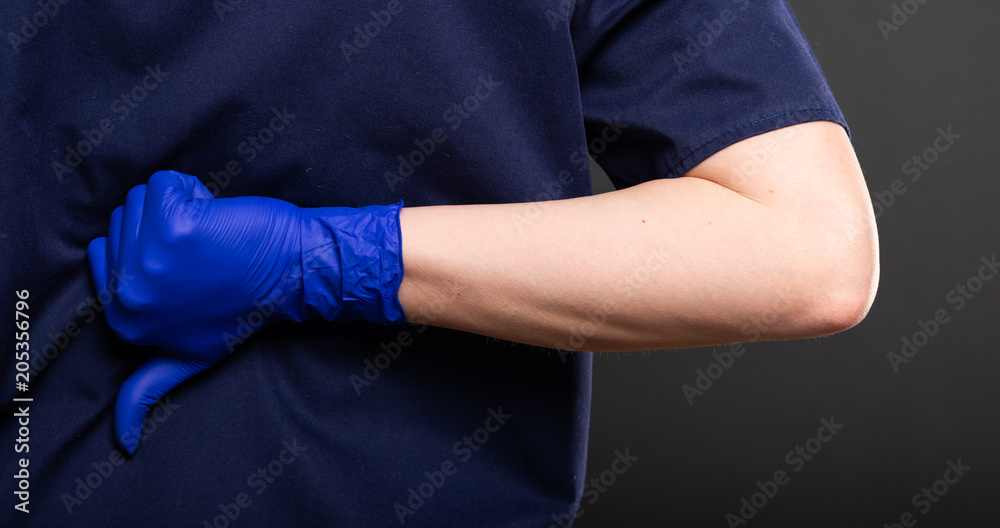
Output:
x=199 y=268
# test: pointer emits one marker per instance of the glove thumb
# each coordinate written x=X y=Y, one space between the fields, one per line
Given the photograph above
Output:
x=156 y=377
x=177 y=186
x=178 y=197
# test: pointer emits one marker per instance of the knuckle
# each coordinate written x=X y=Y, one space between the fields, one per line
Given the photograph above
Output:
x=161 y=179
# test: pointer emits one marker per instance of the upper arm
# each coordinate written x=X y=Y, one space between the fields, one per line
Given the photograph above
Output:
x=811 y=164
x=810 y=174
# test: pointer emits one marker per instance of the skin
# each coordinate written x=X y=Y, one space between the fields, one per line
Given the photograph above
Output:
x=772 y=238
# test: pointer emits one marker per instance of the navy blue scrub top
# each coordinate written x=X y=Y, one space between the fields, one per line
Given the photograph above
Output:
x=340 y=104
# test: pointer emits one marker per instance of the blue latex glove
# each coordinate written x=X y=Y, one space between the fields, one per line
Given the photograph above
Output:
x=198 y=275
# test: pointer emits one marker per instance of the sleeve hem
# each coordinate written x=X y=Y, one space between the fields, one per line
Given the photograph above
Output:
x=671 y=167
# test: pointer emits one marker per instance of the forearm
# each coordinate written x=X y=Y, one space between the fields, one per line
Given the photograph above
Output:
x=666 y=264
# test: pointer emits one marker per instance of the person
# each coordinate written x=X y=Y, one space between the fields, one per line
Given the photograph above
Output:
x=359 y=270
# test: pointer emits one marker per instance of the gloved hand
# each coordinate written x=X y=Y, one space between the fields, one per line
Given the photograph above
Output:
x=197 y=275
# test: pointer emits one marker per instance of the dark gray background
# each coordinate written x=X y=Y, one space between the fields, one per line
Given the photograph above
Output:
x=900 y=429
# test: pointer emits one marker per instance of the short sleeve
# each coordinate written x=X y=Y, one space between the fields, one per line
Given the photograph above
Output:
x=667 y=83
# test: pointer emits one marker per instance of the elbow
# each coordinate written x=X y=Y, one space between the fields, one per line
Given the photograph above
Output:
x=843 y=293
x=844 y=308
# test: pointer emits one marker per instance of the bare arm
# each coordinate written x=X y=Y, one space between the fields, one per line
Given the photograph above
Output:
x=772 y=238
